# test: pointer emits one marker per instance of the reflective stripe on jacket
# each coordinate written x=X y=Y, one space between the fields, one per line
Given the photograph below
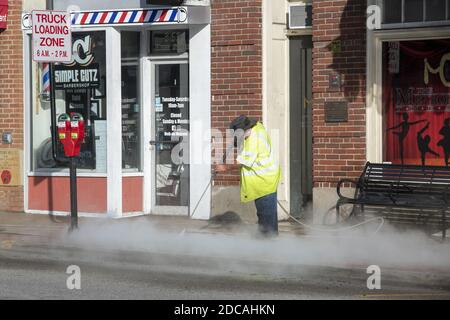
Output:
x=260 y=174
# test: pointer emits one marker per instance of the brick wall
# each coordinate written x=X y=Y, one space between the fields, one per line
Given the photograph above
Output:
x=339 y=149
x=11 y=96
x=236 y=73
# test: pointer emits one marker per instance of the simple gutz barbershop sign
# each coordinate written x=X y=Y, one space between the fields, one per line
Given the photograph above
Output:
x=52 y=39
x=77 y=78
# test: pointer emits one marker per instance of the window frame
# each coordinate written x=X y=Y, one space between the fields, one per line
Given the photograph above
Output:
x=29 y=99
x=374 y=101
x=420 y=24
x=137 y=63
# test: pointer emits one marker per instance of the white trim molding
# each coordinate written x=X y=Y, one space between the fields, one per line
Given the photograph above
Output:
x=27 y=96
x=200 y=111
x=67 y=214
x=114 y=123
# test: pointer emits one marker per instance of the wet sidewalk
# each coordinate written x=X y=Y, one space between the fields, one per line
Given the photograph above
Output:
x=23 y=227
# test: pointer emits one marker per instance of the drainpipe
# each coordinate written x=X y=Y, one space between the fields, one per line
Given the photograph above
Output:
x=49 y=4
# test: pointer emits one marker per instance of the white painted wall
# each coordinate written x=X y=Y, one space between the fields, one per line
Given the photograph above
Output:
x=276 y=87
x=29 y=5
x=200 y=121
x=114 y=123
x=40 y=111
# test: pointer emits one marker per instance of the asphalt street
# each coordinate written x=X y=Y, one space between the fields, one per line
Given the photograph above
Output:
x=162 y=267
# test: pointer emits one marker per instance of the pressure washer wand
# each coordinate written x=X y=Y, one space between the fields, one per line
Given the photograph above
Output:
x=231 y=148
x=213 y=175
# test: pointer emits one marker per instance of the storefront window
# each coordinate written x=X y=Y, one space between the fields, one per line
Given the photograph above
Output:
x=131 y=110
x=169 y=42
x=416 y=101
x=413 y=10
x=416 y=13
x=392 y=11
x=435 y=10
x=79 y=87
x=448 y=8
x=172 y=133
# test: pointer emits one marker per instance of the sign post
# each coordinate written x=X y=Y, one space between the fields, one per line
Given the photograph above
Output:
x=52 y=43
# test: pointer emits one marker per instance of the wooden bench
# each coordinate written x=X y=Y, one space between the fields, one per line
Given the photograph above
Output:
x=401 y=193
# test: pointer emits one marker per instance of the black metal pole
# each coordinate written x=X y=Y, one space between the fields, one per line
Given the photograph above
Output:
x=53 y=112
x=73 y=195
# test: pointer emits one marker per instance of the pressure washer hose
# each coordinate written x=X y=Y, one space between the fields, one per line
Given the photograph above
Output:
x=335 y=229
x=355 y=226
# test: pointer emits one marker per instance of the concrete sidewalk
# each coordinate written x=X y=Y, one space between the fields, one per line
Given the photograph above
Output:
x=23 y=227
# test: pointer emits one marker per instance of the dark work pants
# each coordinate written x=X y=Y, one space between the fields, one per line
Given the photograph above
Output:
x=266 y=210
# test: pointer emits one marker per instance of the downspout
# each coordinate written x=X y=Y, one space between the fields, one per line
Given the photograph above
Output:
x=49 y=4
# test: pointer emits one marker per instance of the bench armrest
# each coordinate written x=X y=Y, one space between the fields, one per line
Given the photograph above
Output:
x=341 y=182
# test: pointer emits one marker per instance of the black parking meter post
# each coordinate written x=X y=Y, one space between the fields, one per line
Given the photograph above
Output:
x=53 y=113
x=73 y=195
x=73 y=168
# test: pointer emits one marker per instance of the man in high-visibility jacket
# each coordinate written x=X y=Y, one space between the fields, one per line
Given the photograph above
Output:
x=260 y=174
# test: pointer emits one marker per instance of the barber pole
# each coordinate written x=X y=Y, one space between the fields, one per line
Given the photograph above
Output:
x=45 y=94
x=152 y=16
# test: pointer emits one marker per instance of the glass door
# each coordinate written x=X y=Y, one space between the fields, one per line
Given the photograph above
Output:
x=169 y=143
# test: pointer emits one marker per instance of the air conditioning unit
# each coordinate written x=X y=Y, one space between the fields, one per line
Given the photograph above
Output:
x=300 y=16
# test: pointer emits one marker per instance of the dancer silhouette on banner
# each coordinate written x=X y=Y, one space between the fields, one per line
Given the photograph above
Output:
x=445 y=141
x=401 y=135
x=424 y=144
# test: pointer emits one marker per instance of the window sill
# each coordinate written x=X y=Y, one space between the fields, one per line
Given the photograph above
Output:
x=132 y=174
x=65 y=173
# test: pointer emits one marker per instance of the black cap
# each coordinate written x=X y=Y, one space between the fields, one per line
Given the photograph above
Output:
x=242 y=122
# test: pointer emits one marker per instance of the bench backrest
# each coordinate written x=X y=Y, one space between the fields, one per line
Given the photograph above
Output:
x=431 y=180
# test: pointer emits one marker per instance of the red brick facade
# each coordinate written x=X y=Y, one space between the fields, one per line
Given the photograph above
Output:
x=236 y=65
x=236 y=76
x=339 y=37
x=339 y=150
x=11 y=96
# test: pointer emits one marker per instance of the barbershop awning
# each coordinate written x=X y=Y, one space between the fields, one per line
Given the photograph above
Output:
x=3 y=13
x=172 y=15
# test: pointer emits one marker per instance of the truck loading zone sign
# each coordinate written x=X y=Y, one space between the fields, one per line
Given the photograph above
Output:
x=52 y=39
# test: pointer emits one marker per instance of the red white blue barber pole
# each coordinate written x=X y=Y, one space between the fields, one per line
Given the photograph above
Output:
x=149 y=16
x=45 y=90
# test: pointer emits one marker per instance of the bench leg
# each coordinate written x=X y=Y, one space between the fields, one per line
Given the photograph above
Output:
x=338 y=205
x=444 y=225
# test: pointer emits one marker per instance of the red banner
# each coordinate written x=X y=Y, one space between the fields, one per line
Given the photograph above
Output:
x=416 y=99
x=3 y=14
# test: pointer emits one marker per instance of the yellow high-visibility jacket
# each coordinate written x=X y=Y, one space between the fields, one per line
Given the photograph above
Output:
x=260 y=174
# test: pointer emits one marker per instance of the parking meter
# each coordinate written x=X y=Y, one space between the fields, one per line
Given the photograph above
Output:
x=63 y=126
x=71 y=133
x=76 y=132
